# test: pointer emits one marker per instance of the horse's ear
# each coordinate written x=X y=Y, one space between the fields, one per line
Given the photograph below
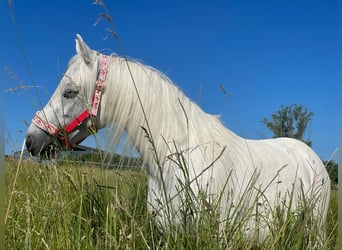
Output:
x=83 y=50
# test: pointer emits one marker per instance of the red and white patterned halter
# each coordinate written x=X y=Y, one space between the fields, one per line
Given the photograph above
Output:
x=62 y=133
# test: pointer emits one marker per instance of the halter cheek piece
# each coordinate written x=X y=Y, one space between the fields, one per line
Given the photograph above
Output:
x=62 y=133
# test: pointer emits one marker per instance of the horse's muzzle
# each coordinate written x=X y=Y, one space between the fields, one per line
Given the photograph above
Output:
x=38 y=142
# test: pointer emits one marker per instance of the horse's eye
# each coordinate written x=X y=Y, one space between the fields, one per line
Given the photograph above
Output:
x=70 y=93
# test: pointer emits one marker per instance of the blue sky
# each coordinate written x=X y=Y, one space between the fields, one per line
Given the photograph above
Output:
x=265 y=53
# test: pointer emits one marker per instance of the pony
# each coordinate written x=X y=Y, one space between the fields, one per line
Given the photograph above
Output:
x=185 y=151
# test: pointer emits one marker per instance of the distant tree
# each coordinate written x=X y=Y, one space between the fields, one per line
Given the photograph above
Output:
x=332 y=168
x=290 y=121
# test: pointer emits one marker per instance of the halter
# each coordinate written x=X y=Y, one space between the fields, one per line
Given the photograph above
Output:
x=62 y=133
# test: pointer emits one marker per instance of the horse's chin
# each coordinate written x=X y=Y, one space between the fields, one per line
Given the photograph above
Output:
x=41 y=144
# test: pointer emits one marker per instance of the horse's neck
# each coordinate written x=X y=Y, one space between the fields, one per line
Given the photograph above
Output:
x=156 y=113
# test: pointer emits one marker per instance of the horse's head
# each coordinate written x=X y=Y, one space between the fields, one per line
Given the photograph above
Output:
x=72 y=112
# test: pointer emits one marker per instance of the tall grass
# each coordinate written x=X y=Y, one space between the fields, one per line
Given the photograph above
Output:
x=75 y=207
x=81 y=207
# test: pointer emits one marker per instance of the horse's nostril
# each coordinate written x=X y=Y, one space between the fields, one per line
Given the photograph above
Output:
x=28 y=142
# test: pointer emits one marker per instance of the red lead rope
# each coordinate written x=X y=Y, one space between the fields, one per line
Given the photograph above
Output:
x=95 y=103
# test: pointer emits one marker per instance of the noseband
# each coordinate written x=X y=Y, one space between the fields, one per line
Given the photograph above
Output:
x=62 y=133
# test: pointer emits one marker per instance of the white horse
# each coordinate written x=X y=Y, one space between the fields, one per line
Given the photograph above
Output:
x=183 y=148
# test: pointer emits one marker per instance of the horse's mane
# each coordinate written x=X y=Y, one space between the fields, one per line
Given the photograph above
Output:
x=172 y=118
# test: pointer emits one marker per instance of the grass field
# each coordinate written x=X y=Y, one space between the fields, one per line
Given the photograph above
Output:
x=73 y=206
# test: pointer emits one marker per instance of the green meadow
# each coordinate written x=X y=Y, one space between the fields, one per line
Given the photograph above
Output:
x=80 y=206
